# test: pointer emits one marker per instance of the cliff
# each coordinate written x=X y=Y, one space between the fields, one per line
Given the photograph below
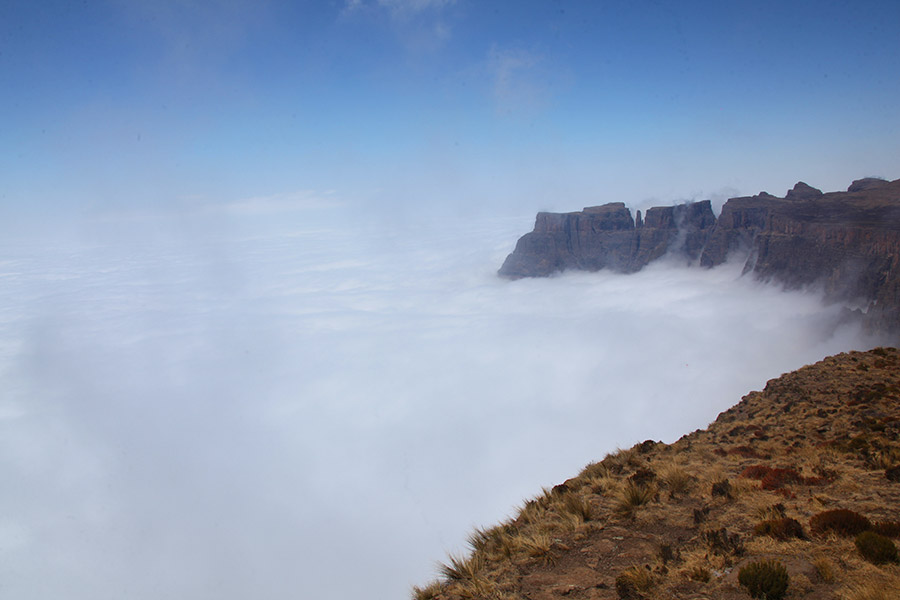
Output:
x=847 y=242
x=607 y=237
x=681 y=521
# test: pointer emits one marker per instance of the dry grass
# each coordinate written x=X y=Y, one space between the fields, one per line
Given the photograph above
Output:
x=534 y=545
x=632 y=496
x=676 y=479
x=428 y=592
x=577 y=506
x=800 y=424
x=634 y=579
x=462 y=568
x=880 y=589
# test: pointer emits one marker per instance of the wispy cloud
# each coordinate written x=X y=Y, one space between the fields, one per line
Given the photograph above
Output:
x=522 y=80
x=420 y=24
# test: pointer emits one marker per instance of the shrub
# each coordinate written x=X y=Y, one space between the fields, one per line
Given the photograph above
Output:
x=632 y=582
x=784 y=528
x=699 y=573
x=766 y=579
x=755 y=472
x=745 y=452
x=721 y=488
x=634 y=495
x=676 y=479
x=721 y=542
x=777 y=478
x=840 y=521
x=579 y=506
x=889 y=529
x=876 y=548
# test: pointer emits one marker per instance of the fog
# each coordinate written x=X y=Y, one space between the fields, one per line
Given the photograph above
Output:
x=260 y=402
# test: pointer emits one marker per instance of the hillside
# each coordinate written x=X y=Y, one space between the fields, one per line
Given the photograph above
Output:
x=681 y=520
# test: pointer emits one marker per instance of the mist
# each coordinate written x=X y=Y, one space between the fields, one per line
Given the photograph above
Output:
x=313 y=404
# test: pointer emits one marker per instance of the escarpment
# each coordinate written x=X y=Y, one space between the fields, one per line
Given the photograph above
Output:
x=846 y=242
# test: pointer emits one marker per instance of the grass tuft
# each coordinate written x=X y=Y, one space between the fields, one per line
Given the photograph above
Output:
x=632 y=497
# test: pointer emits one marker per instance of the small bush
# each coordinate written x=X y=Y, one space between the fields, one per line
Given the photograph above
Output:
x=776 y=479
x=889 y=529
x=643 y=476
x=841 y=521
x=721 y=488
x=721 y=542
x=745 y=452
x=579 y=506
x=699 y=573
x=876 y=548
x=633 y=496
x=633 y=582
x=755 y=472
x=825 y=569
x=766 y=579
x=784 y=528
x=676 y=479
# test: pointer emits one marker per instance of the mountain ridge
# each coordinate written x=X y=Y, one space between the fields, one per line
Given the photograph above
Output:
x=846 y=242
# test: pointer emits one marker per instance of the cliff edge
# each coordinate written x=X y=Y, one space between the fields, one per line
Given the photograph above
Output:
x=803 y=475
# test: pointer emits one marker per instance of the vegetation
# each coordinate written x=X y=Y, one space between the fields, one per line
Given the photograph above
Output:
x=676 y=521
x=876 y=548
x=841 y=521
x=765 y=579
x=784 y=528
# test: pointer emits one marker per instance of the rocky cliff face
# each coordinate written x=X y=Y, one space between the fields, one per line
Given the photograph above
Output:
x=607 y=237
x=847 y=242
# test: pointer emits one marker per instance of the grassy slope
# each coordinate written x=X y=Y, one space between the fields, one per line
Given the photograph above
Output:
x=680 y=520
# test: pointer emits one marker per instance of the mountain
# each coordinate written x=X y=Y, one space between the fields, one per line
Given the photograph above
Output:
x=846 y=242
x=795 y=490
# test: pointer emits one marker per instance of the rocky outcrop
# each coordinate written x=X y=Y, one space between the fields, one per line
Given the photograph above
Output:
x=846 y=242
x=607 y=237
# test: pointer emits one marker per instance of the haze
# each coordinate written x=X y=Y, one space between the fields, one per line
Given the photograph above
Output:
x=252 y=343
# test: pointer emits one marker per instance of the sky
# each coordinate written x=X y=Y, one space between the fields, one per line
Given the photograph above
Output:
x=252 y=341
x=439 y=105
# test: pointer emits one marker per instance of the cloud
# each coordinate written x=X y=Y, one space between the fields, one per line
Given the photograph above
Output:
x=421 y=25
x=522 y=81
x=337 y=396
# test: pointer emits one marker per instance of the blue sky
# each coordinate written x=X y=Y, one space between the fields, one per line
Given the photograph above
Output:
x=410 y=104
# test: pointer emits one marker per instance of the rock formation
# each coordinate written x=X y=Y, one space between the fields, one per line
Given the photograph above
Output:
x=847 y=242
x=606 y=237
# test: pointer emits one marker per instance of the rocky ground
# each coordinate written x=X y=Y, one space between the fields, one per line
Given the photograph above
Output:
x=682 y=520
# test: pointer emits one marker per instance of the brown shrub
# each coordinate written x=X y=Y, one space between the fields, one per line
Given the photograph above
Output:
x=755 y=472
x=887 y=528
x=840 y=521
x=776 y=479
x=784 y=528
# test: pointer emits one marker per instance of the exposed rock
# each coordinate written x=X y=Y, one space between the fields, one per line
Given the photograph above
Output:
x=802 y=191
x=606 y=237
x=867 y=183
x=846 y=242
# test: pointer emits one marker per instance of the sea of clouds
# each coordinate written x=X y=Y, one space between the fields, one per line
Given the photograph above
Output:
x=325 y=407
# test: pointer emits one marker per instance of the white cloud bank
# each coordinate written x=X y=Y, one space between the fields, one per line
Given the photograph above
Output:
x=324 y=413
